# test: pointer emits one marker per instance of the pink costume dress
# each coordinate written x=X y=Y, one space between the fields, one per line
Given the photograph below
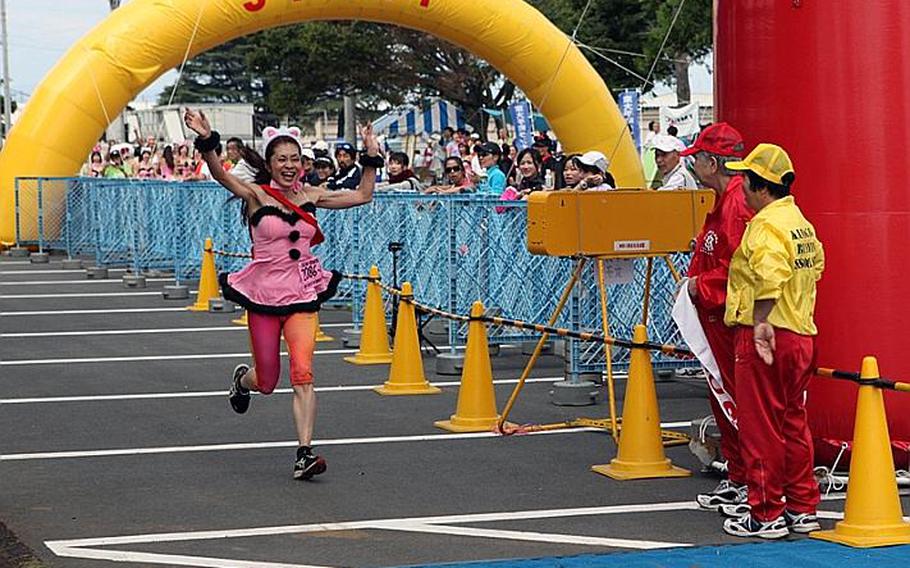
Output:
x=284 y=277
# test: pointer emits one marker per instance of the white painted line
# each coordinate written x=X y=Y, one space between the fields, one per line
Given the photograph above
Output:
x=2 y=262
x=76 y=361
x=121 y=331
x=86 y=281
x=221 y=393
x=73 y=271
x=166 y=559
x=150 y=331
x=133 y=359
x=86 y=295
x=80 y=548
x=269 y=445
x=88 y=312
x=689 y=505
x=536 y=536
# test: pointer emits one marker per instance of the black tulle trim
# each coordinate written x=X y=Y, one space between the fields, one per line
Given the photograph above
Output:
x=237 y=297
x=289 y=218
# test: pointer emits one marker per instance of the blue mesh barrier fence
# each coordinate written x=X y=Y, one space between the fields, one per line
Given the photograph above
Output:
x=456 y=250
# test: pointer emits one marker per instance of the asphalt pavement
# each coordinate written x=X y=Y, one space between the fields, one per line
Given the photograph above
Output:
x=119 y=445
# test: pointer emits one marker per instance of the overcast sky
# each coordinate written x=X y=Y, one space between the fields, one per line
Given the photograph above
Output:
x=41 y=31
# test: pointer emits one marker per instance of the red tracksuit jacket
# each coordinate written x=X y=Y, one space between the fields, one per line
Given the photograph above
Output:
x=714 y=247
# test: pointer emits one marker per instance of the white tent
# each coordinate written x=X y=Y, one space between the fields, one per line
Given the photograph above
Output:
x=432 y=117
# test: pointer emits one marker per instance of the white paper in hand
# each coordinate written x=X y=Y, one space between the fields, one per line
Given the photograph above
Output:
x=687 y=321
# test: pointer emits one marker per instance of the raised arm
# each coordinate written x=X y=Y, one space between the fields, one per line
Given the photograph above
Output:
x=197 y=122
x=364 y=192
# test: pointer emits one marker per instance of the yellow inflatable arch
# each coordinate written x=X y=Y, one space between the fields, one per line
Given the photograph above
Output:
x=143 y=39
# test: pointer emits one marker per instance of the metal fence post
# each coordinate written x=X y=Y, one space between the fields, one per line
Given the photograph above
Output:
x=451 y=363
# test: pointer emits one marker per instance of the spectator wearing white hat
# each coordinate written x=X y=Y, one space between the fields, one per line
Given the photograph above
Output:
x=593 y=168
x=671 y=167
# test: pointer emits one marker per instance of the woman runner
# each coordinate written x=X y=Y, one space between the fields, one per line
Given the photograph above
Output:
x=284 y=286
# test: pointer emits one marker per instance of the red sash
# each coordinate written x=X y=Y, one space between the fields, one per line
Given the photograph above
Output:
x=307 y=217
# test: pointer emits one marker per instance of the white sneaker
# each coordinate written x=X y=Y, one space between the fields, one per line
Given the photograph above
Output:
x=735 y=510
x=726 y=493
x=802 y=523
x=746 y=526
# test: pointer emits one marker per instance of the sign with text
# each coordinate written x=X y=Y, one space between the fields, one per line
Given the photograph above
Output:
x=630 y=106
x=523 y=122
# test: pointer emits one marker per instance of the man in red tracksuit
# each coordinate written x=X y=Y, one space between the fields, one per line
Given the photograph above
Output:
x=719 y=238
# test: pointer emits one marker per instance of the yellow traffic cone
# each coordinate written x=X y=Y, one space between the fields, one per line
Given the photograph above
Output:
x=208 y=280
x=476 y=408
x=406 y=373
x=872 y=514
x=641 y=450
x=320 y=336
x=242 y=320
x=374 y=339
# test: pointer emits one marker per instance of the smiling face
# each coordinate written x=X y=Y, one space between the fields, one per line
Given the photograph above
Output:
x=284 y=162
x=527 y=167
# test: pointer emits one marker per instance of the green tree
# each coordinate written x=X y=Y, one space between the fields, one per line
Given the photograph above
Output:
x=621 y=38
x=220 y=75
x=313 y=63
x=438 y=68
x=691 y=39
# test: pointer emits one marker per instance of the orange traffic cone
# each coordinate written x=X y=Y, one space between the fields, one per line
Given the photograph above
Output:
x=476 y=408
x=374 y=339
x=208 y=280
x=242 y=320
x=406 y=373
x=321 y=337
x=872 y=514
x=641 y=449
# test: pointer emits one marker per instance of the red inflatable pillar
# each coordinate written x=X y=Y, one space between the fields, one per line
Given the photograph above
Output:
x=830 y=82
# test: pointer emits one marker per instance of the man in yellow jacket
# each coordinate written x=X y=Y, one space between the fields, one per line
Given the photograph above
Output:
x=771 y=301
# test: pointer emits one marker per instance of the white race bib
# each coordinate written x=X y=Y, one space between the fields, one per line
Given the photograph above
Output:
x=310 y=272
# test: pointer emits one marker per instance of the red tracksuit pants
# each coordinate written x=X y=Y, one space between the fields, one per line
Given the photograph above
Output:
x=722 y=341
x=775 y=442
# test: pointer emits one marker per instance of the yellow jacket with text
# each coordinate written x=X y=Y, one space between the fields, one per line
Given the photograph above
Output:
x=780 y=258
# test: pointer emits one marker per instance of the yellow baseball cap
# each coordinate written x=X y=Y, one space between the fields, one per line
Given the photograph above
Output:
x=768 y=161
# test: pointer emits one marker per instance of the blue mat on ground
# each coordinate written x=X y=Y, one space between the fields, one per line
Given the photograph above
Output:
x=801 y=554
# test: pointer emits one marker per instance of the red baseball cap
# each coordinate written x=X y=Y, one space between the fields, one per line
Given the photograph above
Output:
x=721 y=139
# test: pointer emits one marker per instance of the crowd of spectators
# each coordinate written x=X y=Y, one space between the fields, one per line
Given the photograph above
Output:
x=453 y=162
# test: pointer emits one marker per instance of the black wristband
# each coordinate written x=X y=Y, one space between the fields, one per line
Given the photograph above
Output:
x=368 y=161
x=208 y=144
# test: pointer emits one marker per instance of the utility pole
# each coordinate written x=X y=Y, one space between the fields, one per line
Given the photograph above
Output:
x=7 y=101
x=350 y=120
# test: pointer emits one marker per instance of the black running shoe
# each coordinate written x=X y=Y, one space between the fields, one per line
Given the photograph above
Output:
x=726 y=493
x=239 y=396
x=308 y=465
x=746 y=526
x=802 y=523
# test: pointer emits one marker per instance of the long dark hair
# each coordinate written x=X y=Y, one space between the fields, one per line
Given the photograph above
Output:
x=260 y=166
x=168 y=156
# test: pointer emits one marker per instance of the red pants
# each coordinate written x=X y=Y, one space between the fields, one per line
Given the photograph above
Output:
x=721 y=339
x=775 y=442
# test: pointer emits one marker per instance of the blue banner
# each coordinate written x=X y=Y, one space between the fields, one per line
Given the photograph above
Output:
x=524 y=128
x=630 y=106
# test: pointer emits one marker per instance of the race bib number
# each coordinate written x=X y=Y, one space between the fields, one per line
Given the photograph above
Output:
x=310 y=272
